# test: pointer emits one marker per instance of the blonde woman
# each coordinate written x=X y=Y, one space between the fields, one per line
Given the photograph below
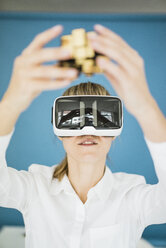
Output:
x=81 y=203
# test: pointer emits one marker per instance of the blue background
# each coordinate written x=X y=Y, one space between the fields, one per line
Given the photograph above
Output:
x=34 y=141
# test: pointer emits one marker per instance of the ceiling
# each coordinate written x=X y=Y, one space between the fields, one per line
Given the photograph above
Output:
x=85 y=6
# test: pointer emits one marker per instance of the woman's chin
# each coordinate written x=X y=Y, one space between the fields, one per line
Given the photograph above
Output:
x=87 y=157
x=88 y=153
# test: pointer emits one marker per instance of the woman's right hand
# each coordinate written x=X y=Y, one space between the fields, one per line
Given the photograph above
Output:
x=30 y=76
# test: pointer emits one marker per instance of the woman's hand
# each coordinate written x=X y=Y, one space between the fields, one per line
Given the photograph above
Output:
x=30 y=77
x=127 y=75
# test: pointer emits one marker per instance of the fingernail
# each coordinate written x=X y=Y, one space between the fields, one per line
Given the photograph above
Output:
x=57 y=27
x=66 y=52
x=99 y=27
x=101 y=61
x=94 y=43
x=72 y=73
x=66 y=81
x=92 y=35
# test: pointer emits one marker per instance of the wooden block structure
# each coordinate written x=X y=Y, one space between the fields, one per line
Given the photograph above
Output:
x=83 y=56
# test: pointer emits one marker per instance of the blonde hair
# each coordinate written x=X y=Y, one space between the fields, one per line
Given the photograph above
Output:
x=88 y=88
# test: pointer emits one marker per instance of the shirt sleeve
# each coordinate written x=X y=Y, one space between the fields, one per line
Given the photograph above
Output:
x=148 y=202
x=15 y=186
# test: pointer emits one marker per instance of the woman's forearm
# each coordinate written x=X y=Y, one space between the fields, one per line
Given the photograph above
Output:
x=8 y=118
x=152 y=122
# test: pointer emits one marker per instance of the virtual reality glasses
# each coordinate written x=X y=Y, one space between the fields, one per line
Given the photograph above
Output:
x=87 y=115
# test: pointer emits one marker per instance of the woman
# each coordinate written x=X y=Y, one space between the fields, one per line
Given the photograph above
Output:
x=81 y=203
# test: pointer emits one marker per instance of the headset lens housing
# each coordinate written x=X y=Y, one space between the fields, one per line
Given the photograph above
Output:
x=79 y=112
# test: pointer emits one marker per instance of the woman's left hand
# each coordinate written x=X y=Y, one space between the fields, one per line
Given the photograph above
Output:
x=127 y=75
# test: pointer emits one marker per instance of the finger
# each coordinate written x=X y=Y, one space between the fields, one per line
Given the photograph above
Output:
x=115 y=84
x=46 y=55
x=119 y=41
x=114 y=75
x=43 y=38
x=114 y=54
x=110 y=34
x=52 y=72
x=130 y=54
x=42 y=84
x=111 y=68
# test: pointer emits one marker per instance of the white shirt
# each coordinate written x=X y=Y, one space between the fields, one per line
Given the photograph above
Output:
x=117 y=210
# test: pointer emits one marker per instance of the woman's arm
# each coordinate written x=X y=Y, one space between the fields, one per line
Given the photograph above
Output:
x=127 y=77
x=147 y=202
x=17 y=188
x=9 y=117
x=152 y=122
x=30 y=77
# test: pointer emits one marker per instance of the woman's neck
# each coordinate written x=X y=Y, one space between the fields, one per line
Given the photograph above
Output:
x=83 y=176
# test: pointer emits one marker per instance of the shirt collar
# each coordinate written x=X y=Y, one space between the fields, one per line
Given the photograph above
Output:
x=102 y=189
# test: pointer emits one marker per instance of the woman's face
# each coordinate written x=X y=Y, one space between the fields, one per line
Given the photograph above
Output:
x=76 y=148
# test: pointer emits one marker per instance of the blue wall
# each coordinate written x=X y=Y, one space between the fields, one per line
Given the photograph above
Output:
x=34 y=141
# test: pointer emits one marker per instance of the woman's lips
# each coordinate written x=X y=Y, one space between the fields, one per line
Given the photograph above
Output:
x=87 y=144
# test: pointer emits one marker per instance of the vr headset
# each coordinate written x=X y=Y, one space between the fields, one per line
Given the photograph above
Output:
x=87 y=115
